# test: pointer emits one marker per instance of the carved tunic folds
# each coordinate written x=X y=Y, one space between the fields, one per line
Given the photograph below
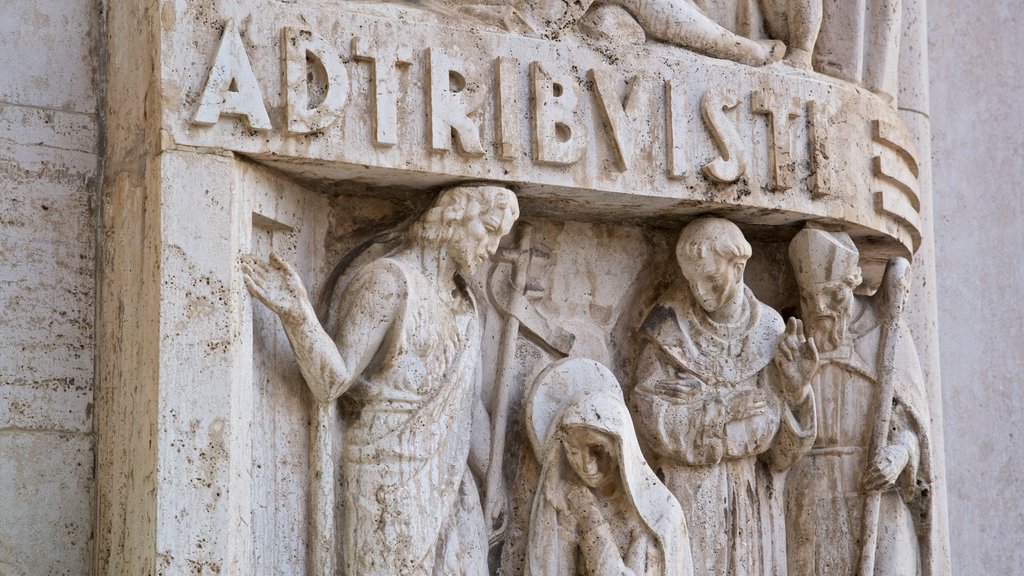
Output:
x=409 y=501
x=824 y=497
x=694 y=382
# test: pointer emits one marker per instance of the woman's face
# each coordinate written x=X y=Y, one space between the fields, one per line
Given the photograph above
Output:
x=592 y=454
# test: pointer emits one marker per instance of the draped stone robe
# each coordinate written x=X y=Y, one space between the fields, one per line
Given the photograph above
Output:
x=410 y=504
x=824 y=499
x=642 y=531
x=713 y=463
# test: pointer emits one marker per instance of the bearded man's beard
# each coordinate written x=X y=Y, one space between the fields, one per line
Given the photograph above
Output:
x=829 y=331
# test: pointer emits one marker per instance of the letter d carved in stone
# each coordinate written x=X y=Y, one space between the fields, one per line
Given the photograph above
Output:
x=306 y=60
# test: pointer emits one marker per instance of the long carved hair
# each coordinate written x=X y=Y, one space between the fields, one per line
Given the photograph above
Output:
x=455 y=206
x=434 y=227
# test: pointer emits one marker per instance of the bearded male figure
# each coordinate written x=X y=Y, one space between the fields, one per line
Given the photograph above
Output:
x=708 y=411
x=406 y=355
x=826 y=488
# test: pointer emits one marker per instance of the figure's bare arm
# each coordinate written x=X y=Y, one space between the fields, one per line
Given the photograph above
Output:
x=480 y=446
x=329 y=368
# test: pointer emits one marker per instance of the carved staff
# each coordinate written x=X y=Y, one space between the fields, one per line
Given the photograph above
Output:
x=895 y=287
x=508 y=292
x=322 y=547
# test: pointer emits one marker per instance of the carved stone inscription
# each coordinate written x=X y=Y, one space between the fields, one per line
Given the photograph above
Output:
x=654 y=128
x=456 y=91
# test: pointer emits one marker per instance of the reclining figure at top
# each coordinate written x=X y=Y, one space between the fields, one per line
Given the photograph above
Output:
x=727 y=29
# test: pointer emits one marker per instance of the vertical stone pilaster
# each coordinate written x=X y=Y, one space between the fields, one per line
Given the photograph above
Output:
x=922 y=308
x=128 y=343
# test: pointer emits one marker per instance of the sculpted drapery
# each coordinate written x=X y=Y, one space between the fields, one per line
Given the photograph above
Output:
x=599 y=509
x=404 y=460
x=697 y=107
x=707 y=408
x=824 y=494
x=713 y=459
x=406 y=355
x=826 y=489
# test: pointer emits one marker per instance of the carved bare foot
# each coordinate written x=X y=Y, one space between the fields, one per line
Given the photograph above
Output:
x=776 y=50
x=798 y=58
x=760 y=52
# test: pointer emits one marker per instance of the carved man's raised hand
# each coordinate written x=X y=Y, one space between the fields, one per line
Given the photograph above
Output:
x=797 y=361
x=277 y=285
x=886 y=468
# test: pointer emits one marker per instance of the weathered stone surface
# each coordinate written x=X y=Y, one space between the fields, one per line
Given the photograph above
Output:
x=45 y=484
x=48 y=52
x=358 y=113
x=975 y=117
x=49 y=163
x=595 y=486
x=650 y=132
x=212 y=456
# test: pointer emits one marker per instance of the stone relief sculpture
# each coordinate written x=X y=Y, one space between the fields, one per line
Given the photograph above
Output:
x=310 y=123
x=685 y=23
x=857 y=502
x=853 y=41
x=792 y=23
x=406 y=355
x=707 y=406
x=599 y=508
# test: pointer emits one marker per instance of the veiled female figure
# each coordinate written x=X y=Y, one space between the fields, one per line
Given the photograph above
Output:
x=599 y=508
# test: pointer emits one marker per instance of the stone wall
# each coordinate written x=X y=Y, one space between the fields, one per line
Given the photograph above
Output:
x=49 y=137
x=976 y=111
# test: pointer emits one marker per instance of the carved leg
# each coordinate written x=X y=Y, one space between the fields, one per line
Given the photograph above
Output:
x=797 y=23
x=804 y=24
x=681 y=23
x=882 y=39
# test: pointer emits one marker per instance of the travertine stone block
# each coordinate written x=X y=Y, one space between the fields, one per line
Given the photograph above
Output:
x=48 y=54
x=45 y=482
